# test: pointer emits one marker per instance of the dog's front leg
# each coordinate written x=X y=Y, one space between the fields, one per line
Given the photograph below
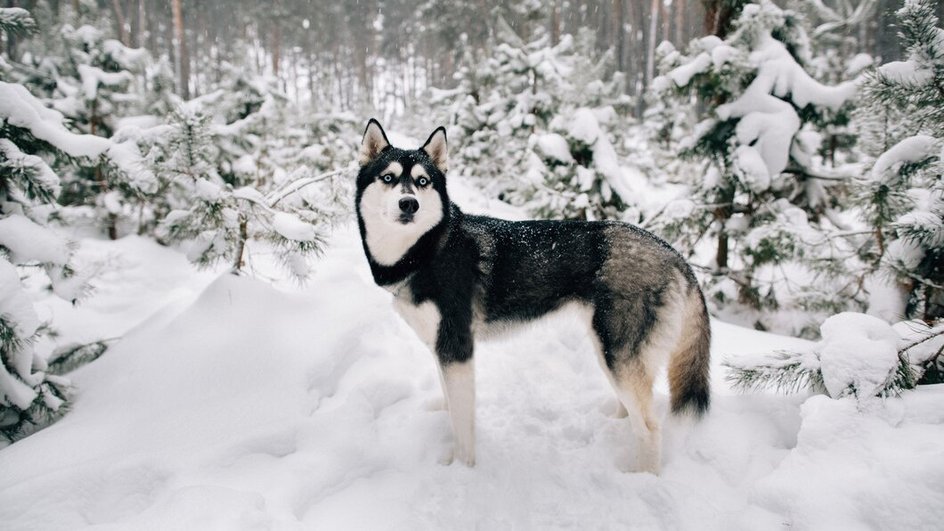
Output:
x=454 y=353
x=459 y=386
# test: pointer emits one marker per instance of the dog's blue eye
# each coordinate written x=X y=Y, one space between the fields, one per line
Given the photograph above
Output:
x=387 y=178
x=423 y=181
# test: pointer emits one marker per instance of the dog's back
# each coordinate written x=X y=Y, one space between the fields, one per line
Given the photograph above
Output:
x=636 y=286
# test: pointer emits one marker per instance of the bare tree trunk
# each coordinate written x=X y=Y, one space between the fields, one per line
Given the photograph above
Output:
x=183 y=57
x=238 y=263
x=555 y=23
x=11 y=38
x=679 y=7
x=619 y=20
x=312 y=93
x=276 y=48
x=654 y=8
x=719 y=15
x=295 y=75
x=142 y=23
x=123 y=34
x=135 y=22
x=337 y=74
x=360 y=55
x=154 y=27
x=664 y=15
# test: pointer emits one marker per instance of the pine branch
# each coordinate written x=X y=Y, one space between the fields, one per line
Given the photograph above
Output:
x=16 y=21
x=68 y=358
x=784 y=371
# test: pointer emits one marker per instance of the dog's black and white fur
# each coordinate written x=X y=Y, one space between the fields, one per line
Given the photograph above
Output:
x=456 y=277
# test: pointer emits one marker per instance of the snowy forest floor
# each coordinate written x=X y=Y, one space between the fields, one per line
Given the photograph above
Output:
x=233 y=403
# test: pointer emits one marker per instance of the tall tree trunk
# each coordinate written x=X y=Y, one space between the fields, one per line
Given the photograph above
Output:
x=679 y=7
x=276 y=48
x=123 y=34
x=555 y=22
x=360 y=56
x=135 y=22
x=720 y=14
x=183 y=56
x=654 y=8
x=11 y=38
x=142 y=24
x=294 y=64
x=666 y=21
x=619 y=33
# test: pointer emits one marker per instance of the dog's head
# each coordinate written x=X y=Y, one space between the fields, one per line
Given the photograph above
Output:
x=401 y=193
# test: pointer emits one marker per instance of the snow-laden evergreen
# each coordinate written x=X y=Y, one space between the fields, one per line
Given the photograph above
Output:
x=30 y=397
x=764 y=196
x=213 y=193
x=902 y=195
x=545 y=127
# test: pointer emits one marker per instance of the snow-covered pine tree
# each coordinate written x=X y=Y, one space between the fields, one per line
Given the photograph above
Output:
x=764 y=195
x=30 y=397
x=903 y=195
x=575 y=169
x=495 y=109
x=540 y=125
x=216 y=218
x=95 y=85
x=834 y=35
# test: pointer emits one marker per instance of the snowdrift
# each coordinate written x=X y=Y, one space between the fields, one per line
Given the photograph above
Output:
x=240 y=405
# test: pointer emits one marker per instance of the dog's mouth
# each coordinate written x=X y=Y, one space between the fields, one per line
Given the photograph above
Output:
x=405 y=218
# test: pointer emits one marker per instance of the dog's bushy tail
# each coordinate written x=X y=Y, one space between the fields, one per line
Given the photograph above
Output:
x=689 y=365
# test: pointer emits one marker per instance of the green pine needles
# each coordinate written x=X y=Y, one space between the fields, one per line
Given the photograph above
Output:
x=783 y=371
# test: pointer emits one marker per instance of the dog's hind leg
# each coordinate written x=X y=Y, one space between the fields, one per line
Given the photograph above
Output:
x=633 y=383
x=631 y=340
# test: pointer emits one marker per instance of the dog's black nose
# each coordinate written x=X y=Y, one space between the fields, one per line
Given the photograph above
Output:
x=409 y=205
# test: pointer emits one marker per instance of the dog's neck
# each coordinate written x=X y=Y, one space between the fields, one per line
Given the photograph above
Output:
x=422 y=252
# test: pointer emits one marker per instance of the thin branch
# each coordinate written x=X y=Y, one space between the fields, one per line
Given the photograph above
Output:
x=302 y=183
x=931 y=335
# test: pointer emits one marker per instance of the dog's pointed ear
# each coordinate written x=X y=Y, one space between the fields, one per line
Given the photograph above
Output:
x=374 y=141
x=435 y=147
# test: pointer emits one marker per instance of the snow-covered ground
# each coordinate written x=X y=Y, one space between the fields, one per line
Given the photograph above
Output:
x=234 y=403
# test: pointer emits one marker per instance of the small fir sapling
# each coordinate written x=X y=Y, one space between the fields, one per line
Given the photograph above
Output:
x=95 y=83
x=218 y=219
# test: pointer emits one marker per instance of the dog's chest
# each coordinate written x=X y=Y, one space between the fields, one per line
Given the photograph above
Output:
x=423 y=318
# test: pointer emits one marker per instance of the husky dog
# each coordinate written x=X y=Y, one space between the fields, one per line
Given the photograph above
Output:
x=456 y=277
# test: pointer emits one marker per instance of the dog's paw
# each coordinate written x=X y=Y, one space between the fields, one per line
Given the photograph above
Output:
x=614 y=409
x=446 y=457
x=466 y=456
x=453 y=455
x=435 y=404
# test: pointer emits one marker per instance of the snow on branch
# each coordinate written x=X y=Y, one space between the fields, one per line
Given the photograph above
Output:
x=21 y=109
x=859 y=355
x=16 y=20
x=912 y=149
